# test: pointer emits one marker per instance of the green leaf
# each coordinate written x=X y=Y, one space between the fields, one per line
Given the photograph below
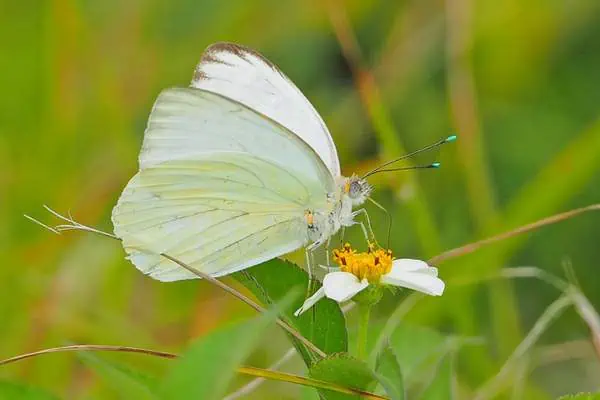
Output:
x=205 y=370
x=344 y=370
x=389 y=374
x=17 y=390
x=440 y=387
x=130 y=384
x=324 y=324
x=419 y=351
x=581 y=396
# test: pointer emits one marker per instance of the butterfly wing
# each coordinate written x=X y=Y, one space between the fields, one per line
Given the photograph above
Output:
x=187 y=122
x=244 y=75
x=220 y=188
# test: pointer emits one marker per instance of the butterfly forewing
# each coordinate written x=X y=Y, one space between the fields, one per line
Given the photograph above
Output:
x=246 y=76
x=186 y=123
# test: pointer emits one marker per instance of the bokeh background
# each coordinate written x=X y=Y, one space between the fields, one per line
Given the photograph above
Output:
x=519 y=81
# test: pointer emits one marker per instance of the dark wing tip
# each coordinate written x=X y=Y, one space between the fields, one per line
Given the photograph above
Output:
x=211 y=56
x=228 y=47
x=243 y=52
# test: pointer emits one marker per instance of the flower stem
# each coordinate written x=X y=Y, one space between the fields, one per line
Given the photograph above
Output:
x=363 y=330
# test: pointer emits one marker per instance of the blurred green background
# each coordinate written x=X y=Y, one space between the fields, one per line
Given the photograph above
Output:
x=519 y=81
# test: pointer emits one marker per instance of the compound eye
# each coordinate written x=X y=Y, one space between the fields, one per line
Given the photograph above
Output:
x=354 y=189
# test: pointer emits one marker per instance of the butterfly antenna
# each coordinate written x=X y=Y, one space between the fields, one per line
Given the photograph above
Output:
x=440 y=142
x=434 y=165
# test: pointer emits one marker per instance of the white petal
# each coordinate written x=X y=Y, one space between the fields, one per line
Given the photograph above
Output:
x=342 y=286
x=308 y=303
x=411 y=265
x=423 y=280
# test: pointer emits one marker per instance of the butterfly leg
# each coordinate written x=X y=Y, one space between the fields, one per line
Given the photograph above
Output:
x=342 y=234
x=368 y=229
x=310 y=261
x=389 y=218
x=327 y=254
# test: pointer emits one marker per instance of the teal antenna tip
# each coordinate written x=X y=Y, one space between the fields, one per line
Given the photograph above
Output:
x=435 y=165
x=451 y=138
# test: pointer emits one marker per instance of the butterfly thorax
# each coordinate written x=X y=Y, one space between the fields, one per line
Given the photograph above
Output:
x=351 y=192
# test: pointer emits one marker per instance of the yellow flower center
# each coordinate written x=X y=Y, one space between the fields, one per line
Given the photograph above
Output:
x=371 y=265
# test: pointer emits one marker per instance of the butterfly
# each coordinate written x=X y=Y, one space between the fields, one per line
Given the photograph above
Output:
x=234 y=170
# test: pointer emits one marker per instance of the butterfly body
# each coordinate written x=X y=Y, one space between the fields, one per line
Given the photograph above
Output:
x=326 y=223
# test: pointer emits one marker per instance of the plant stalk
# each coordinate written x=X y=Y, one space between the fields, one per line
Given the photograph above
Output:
x=363 y=331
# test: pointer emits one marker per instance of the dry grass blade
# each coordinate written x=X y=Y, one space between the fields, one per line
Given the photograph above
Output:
x=252 y=371
x=590 y=316
x=300 y=380
x=74 y=225
x=556 y=353
x=71 y=224
x=40 y=223
x=516 y=272
x=255 y=383
x=471 y=247
x=582 y=305
x=89 y=347
x=492 y=387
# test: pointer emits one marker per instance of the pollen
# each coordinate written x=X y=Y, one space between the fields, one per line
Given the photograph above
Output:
x=370 y=265
x=309 y=217
x=347 y=186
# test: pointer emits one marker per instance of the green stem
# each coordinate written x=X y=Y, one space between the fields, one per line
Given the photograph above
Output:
x=363 y=331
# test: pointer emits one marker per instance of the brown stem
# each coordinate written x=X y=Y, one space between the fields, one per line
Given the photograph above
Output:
x=89 y=347
x=252 y=371
x=300 y=380
x=471 y=247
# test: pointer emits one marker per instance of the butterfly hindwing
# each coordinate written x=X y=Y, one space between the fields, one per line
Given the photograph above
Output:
x=211 y=213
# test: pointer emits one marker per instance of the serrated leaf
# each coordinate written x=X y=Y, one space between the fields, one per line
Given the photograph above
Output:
x=440 y=387
x=205 y=370
x=17 y=390
x=389 y=374
x=324 y=324
x=344 y=370
x=130 y=384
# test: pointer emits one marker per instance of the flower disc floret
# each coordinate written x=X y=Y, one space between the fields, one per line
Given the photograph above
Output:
x=370 y=265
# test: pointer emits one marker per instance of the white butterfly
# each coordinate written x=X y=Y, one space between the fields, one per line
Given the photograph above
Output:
x=235 y=170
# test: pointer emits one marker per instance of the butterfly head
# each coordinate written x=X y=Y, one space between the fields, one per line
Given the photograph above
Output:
x=357 y=189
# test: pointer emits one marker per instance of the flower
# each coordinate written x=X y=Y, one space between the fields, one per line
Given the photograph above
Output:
x=359 y=270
